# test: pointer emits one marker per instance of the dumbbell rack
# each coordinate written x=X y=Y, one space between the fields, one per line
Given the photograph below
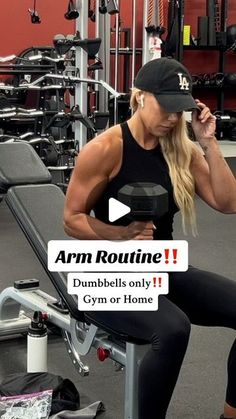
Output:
x=214 y=82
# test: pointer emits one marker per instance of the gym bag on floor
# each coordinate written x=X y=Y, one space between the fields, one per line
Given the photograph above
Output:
x=65 y=396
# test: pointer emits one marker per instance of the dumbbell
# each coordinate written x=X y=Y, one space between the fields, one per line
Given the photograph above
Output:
x=146 y=200
x=72 y=12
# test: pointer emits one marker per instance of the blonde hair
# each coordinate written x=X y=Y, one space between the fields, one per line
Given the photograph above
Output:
x=177 y=150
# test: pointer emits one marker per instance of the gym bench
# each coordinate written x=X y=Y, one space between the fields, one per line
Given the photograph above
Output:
x=37 y=205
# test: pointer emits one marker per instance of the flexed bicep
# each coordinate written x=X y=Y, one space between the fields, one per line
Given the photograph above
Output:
x=93 y=170
x=87 y=183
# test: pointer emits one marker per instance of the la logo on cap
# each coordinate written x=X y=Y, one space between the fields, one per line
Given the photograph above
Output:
x=183 y=82
x=117 y=209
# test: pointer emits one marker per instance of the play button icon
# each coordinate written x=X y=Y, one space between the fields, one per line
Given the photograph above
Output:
x=117 y=210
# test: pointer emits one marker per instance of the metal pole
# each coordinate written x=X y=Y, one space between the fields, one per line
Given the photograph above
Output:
x=81 y=63
x=134 y=4
x=103 y=29
x=181 y=30
x=145 y=36
x=117 y=60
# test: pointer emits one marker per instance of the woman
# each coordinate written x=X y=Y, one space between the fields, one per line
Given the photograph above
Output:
x=153 y=146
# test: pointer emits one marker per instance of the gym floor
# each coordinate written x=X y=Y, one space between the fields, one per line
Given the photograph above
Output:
x=200 y=389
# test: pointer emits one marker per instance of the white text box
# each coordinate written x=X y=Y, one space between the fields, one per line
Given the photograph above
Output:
x=117 y=292
x=119 y=256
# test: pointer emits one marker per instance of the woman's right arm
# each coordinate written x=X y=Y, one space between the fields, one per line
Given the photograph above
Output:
x=92 y=171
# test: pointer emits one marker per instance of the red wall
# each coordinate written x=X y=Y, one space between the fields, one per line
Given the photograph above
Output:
x=17 y=32
x=196 y=61
x=208 y=61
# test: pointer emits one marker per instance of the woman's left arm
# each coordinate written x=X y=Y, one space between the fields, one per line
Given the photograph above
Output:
x=215 y=183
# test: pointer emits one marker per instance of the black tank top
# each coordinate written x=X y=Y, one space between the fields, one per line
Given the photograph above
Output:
x=139 y=165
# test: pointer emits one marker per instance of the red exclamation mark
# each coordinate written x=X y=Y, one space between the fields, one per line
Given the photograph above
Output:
x=159 y=281
x=175 y=255
x=167 y=251
x=154 y=282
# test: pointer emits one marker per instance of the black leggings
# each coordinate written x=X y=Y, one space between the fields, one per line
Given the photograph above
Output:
x=198 y=297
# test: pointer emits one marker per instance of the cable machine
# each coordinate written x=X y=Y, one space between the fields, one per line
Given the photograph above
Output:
x=153 y=29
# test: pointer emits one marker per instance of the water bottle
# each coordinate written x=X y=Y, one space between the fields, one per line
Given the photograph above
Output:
x=37 y=344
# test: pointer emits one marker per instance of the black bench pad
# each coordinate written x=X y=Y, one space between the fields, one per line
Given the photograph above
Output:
x=21 y=165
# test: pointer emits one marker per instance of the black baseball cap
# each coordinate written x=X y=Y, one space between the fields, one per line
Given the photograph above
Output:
x=169 y=81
